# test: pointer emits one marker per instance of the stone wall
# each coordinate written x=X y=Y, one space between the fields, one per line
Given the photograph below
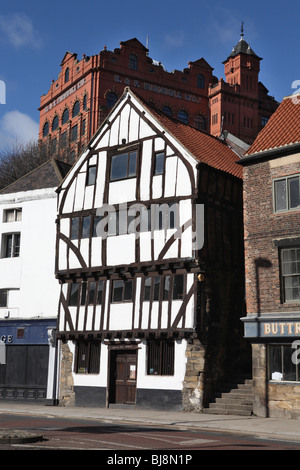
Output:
x=66 y=393
x=192 y=393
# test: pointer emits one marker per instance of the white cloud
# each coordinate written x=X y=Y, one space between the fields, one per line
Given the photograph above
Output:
x=17 y=127
x=175 y=40
x=19 y=31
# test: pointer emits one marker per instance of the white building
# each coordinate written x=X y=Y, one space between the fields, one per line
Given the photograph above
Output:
x=28 y=288
x=132 y=250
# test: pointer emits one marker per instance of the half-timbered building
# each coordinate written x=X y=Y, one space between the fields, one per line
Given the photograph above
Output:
x=150 y=261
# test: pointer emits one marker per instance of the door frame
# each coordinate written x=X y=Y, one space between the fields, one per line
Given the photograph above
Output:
x=122 y=349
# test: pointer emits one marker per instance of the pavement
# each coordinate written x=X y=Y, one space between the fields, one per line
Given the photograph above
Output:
x=264 y=428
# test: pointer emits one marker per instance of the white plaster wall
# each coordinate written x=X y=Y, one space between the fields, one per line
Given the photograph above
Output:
x=32 y=273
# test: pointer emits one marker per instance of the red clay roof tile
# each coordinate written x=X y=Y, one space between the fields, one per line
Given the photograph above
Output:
x=283 y=128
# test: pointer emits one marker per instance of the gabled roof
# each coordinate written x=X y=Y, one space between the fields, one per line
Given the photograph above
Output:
x=48 y=175
x=282 y=129
x=134 y=42
x=204 y=147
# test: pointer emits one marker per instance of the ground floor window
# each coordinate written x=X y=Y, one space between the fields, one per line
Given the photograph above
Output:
x=87 y=357
x=160 y=357
x=284 y=362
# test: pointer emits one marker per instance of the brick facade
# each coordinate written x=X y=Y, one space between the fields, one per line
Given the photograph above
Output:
x=193 y=95
x=272 y=324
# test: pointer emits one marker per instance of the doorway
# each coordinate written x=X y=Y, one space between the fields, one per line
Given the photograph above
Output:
x=123 y=368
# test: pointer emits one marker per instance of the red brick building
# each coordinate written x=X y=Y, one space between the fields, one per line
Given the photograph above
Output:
x=86 y=90
x=272 y=261
x=241 y=104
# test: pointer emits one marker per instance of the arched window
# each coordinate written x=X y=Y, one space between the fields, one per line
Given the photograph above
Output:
x=84 y=104
x=167 y=110
x=65 y=116
x=46 y=129
x=133 y=62
x=111 y=99
x=67 y=74
x=183 y=116
x=76 y=109
x=200 y=122
x=200 y=81
x=55 y=123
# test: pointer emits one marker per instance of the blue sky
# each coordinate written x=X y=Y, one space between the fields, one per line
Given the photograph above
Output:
x=34 y=37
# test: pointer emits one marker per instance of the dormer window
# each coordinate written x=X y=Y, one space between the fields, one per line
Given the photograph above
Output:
x=133 y=62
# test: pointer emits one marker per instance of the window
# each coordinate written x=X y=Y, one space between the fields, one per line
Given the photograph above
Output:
x=86 y=224
x=55 y=123
x=200 y=122
x=74 y=133
x=173 y=287
x=76 y=109
x=91 y=175
x=122 y=291
x=159 y=163
x=167 y=216
x=65 y=116
x=87 y=357
x=75 y=228
x=133 y=62
x=3 y=298
x=287 y=193
x=264 y=120
x=200 y=81
x=86 y=292
x=63 y=140
x=84 y=103
x=46 y=129
x=183 y=116
x=67 y=74
x=160 y=357
x=290 y=269
x=123 y=166
x=167 y=110
x=11 y=245
x=178 y=287
x=111 y=99
x=83 y=127
x=281 y=364
x=12 y=215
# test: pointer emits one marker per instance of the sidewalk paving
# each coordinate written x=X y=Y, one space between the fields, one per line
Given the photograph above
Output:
x=265 y=428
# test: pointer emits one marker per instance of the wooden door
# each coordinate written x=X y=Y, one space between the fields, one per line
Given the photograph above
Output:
x=123 y=377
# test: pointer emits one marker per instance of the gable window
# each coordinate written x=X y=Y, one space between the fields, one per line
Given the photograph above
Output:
x=159 y=163
x=160 y=357
x=123 y=166
x=91 y=175
x=11 y=245
x=290 y=269
x=133 y=62
x=287 y=193
x=122 y=291
x=200 y=81
x=12 y=215
x=67 y=74
x=87 y=357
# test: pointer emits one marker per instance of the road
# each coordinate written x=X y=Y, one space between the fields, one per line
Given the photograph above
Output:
x=79 y=434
